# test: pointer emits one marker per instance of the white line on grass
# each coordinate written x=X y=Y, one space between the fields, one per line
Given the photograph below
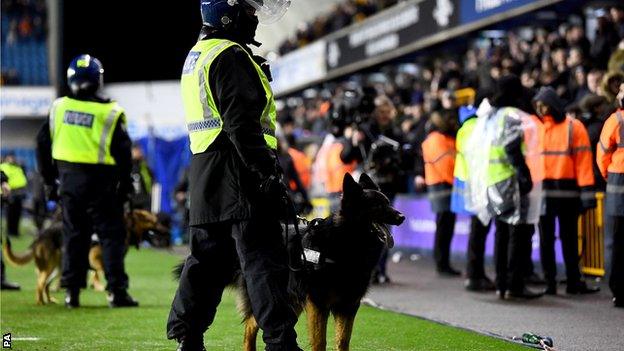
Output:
x=26 y=338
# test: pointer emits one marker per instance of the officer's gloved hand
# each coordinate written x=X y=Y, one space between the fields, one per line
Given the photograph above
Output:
x=124 y=191
x=51 y=192
x=274 y=192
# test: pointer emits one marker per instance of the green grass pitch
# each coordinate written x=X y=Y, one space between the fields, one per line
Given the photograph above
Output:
x=96 y=327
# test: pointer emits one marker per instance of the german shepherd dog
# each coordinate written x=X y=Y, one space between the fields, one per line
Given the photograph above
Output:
x=46 y=251
x=341 y=253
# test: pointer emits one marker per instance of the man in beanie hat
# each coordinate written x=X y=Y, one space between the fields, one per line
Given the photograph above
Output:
x=568 y=189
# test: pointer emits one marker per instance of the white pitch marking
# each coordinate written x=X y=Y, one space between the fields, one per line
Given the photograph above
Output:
x=27 y=338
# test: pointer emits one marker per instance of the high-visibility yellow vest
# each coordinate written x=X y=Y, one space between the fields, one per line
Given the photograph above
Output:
x=82 y=131
x=463 y=134
x=15 y=173
x=500 y=167
x=203 y=119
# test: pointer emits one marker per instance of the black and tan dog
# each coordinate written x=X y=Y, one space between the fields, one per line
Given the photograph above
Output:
x=46 y=251
x=341 y=253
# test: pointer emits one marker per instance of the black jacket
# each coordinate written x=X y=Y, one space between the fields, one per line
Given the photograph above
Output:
x=120 y=150
x=594 y=128
x=224 y=180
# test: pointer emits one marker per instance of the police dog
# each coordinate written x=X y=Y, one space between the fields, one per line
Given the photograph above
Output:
x=46 y=251
x=341 y=253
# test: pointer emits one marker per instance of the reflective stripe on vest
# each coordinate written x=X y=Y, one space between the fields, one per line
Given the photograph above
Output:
x=570 y=150
x=15 y=173
x=203 y=119
x=82 y=131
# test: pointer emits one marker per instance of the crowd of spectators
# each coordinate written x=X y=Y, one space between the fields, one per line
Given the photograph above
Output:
x=586 y=75
x=341 y=15
x=26 y=18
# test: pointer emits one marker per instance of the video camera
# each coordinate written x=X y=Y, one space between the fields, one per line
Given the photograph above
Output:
x=352 y=107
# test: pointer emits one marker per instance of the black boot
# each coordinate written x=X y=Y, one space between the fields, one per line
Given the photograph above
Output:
x=479 y=284
x=72 y=298
x=581 y=288
x=121 y=298
x=448 y=271
x=525 y=293
x=618 y=302
x=6 y=285
x=187 y=343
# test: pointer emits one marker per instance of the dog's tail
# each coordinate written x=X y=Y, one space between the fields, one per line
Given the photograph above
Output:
x=177 y=271
x=13 y=258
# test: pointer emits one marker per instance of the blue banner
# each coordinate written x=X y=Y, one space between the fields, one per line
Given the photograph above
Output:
x=474 y=10
x=418 y=231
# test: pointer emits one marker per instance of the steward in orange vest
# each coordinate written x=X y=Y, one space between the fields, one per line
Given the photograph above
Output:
x=568 y=189
x=610 y=158
x=439 y=156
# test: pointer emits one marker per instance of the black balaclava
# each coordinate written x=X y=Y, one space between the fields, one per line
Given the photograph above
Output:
x=245 y=27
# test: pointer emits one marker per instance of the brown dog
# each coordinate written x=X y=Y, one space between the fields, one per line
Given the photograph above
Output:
x=341 y=253
x=46 y=251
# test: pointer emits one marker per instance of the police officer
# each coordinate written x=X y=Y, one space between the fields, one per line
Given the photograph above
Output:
x=142 y=179
x=6 y=190
x=85 y=145
x=18 y=184
x=235 y=190
x=610 y=159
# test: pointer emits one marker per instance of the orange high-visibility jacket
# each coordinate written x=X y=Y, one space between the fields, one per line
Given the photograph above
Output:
x=610 y=159
x=568 y=165
x=439 y=156
x=336 y=169
x=303 y=166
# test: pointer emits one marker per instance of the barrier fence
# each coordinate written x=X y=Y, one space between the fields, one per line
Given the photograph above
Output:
x=591 y=239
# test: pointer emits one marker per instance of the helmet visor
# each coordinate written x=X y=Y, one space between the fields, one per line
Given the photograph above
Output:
x=269 y=11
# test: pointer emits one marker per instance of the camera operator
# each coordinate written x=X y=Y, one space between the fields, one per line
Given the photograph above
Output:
x=376 y=142
x=377 y=145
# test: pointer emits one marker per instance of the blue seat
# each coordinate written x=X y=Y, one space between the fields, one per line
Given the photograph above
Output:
x=28 y=57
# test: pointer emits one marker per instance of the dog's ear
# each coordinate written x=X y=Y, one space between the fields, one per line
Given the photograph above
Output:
x=367 y=183
x=350 y=188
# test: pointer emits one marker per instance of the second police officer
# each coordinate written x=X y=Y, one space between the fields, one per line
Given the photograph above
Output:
x=86 y=147
x=235 y=189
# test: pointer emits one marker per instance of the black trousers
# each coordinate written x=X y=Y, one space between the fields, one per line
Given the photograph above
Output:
x=13 y=214
x=616 y=280
x=512 y=246
x=445 y=226
x=90 y=205
x=216 y=252
x=568 y=234
x=530 y=267
x=476 y=248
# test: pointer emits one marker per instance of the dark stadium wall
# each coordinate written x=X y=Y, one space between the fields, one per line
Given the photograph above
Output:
x=135 y=40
